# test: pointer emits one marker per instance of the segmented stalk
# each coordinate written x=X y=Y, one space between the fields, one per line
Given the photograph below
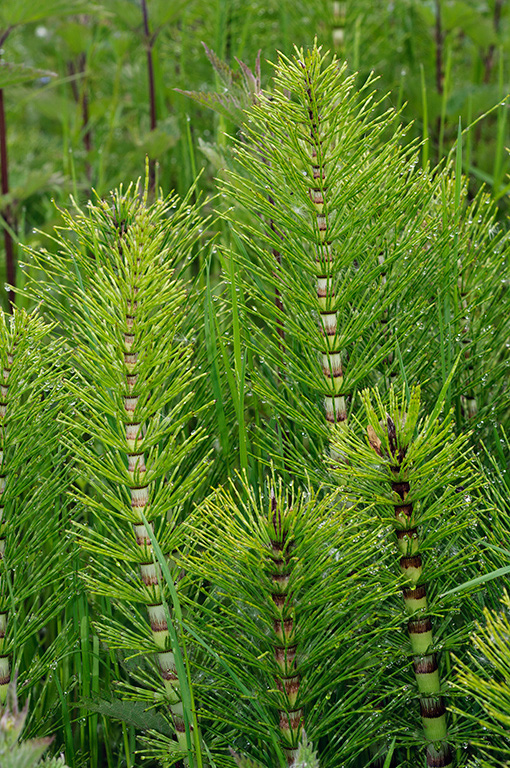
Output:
x=419 y=626
x=432 y=706
x=134 y=378
x=140 y=491
x=331 y=356
x=285 y=649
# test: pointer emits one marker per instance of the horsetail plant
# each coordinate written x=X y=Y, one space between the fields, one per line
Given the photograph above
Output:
x=418 y=476
x=33 y=561
x=316 y=161
x=290 y=612
x=117 y=286
x=459 y=283
x=331 y=191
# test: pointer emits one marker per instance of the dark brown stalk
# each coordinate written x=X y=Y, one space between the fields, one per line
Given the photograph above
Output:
x=489 y=61
x=4 y=172
x=149 y=43
x=7 y=212
x=5 y=666
x=385 y=321
x=4 y=34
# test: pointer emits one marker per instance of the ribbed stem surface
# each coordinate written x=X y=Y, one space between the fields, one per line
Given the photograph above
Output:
x=150 y=572
x=432 y=706
x=331 y=355
x=285 y=648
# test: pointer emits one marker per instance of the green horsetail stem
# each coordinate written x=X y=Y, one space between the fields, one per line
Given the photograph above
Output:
x=291 y=721
x=331 y=356
x=419 y=626
x=289 y=592
x=150 y=572
x=329 y=155
x=119 y=285
x=420 y=463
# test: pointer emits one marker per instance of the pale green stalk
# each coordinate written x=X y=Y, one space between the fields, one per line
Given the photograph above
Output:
x=335 y=398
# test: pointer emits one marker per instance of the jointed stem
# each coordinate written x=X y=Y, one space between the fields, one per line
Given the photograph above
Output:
x=140 y=495
x=288 y=679
x=335 y=399
x=393 y=451
x=432 y=706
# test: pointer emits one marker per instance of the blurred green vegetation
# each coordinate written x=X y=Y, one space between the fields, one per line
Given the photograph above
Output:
x=85 y=121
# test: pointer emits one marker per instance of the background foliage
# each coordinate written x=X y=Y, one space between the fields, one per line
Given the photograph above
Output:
x=85 y=121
